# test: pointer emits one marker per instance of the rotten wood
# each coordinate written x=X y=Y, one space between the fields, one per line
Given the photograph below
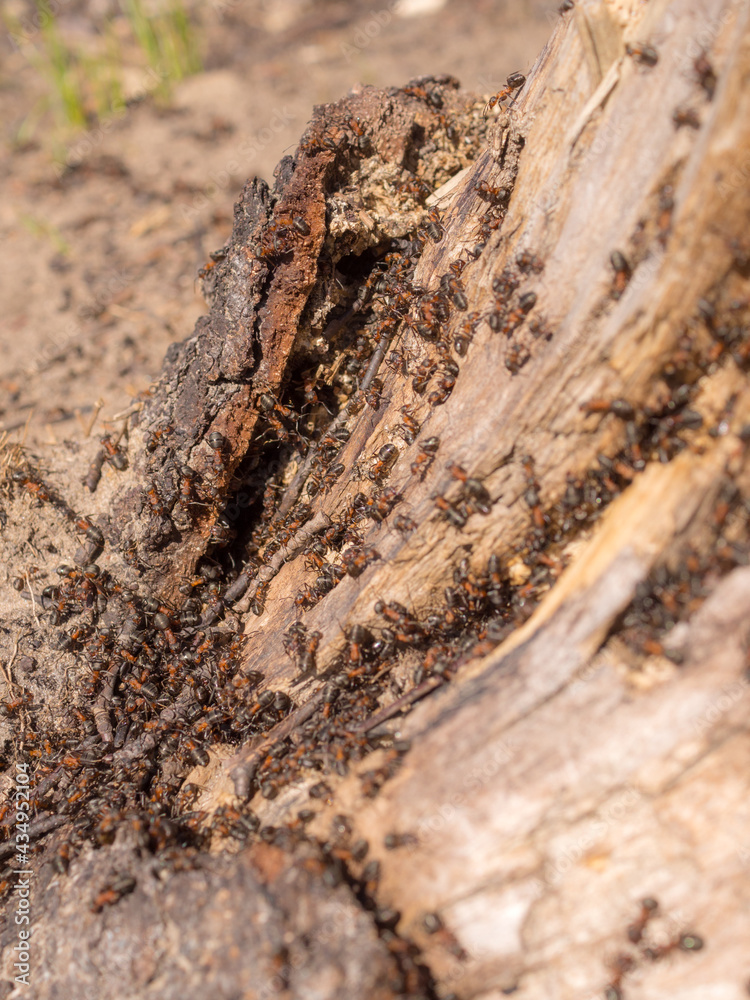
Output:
x=579 y=752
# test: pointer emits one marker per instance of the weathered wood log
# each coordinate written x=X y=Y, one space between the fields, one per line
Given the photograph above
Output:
x=555 y=591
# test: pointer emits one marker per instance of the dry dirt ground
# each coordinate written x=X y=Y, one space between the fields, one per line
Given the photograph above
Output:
x=100 y=257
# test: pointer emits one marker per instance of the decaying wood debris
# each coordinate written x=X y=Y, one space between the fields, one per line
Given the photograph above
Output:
x=400 y=645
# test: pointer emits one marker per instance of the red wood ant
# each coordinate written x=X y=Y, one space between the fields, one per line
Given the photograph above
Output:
x=465 y=334
x=649 y=907
x=404 y=524
x=646 y=55
x=514 y=82
x=619 y=407
x=117 y=887
x=153 y=438
x=686 y=117
x=424 y=372
x=455 y=513
x=355 y=561
x=114 y=453
x=443 y=389
x=276 y=238
x=706 y=75
x=409 y=427
x=516 y=358
x=381 y=465
x=516 y=316
x=529 y=262
x=684 y=942
x=434 y=227
x=425 y=457
x=496 y=195
x=622 y=273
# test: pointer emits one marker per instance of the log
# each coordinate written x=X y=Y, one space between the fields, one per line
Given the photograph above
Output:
x=505 y=643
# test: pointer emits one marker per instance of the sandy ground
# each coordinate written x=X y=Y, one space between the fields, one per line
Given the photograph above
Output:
x=100 y=259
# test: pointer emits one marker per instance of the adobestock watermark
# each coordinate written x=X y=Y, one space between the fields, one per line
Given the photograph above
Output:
x=72 y=335
x=444 y=814
x=367 y=31
x=737 y=180
x=729 y=696
x=335 y=927
x=22 y=885
x=606 y=817
x=223 y=7
x=252 y=146
x=743 y=853
x=702 y=42
x=90 y=140
x=23 y=29
x=671 y=926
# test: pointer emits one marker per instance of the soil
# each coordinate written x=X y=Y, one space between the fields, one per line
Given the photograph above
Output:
x=102 y=247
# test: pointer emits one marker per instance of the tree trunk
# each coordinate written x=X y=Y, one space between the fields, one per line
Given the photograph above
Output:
x=507 y=639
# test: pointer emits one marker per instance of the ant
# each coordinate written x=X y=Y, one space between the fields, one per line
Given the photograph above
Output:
x=188 y=481
x=358 y=636
x=157 y=505
x=355 y=561
x=495 y=195
x=516 y=316
x=408 y=428
x=686 y=117
x=646 y=55
x=273 y=411
x=434 y=926
x=516 y=358
x=117 y=887
x=504 y=285
x=276 y=236
x=684 y=942
x=451 y=284
x=619 y=407
x=374 y=394
x=114 y=454
x=404 y=524
x=666 y=208
x=705 y=74
x=621 y=966
x=92 y=533
x=302 y=646
x=425 y=457
x=153 y=438
x=361 y=137
x=531 y=493
x=217 y=443
x=331 y=476
x=396 y=361
x=529 y=262
x=444 y=388
x=380 y=504
x=649 y=907
x=514 y=82
x=32 y=485
x=424 y=372
x=434 y=227
x=480 y=499
x=258 y=603
x=381 y=465
x=455 y=513
x=465 y=334
x=622 y=273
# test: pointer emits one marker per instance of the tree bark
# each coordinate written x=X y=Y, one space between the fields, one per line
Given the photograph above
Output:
x=545 y=721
